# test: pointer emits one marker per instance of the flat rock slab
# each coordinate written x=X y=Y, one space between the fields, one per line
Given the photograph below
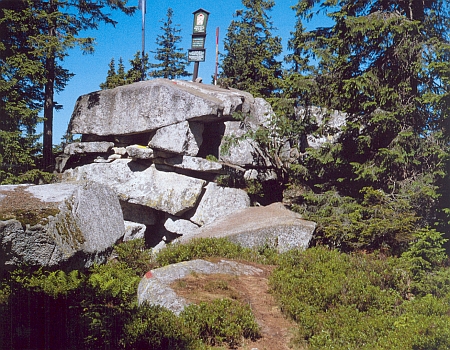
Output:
x=233 y=100
x=144 y=185
x=74 y=225
x=195 y=164
x=155 y=289
x=88 y=147
x=149 y=105
x=254 y=227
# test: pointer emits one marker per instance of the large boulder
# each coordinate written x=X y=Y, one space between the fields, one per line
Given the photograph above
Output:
x=255 y=227
x=329 y=122
x=149 y=105
x=218 y=202
x=64 y=225
x=232 y=100
x=182 y=138
x=144 y=185
x=134 y=230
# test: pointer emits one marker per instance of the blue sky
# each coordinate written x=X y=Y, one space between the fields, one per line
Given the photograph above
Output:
x=124 y=40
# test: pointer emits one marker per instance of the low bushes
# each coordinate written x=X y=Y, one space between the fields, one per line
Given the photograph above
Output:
x=338 y=301
x=357 y=301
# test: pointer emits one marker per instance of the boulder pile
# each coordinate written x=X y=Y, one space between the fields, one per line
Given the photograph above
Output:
x=158 y=147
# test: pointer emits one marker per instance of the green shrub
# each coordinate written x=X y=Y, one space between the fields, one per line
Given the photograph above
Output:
x=423 y=324
x=426 y=251
x=109 y=300
x=53 y=283
x=377 y=222
x=154 y=327
x=213 y=247
x=436 y=283
x=222 y=321
x=135 y=255
x=358 y=301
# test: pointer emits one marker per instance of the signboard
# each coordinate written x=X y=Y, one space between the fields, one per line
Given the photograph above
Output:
x=198 y=42
x=196 y=55
x=200 y=21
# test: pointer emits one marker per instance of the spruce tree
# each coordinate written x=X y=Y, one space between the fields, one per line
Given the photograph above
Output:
x=134 y=74
x=110 y=77
x=172 y=60
x=383 y=63
x=50 y=29
x=386 y=64
x=122 y=77
x=22 y=78
x=250 y=60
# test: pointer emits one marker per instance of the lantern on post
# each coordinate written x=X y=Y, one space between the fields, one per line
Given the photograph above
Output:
x=197 y=51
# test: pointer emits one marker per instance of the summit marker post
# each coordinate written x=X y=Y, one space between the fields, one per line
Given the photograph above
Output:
x=197 y=52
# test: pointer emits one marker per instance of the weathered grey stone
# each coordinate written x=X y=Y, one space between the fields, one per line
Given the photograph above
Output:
x=168 y=192
x=161 y=245
x=155 y=289
x=114 y=156
x=233 y=100
x=179 y=226
x=145 y=185
x=181 y=138
x=218 y=202
x=75 y=225
x=113 y=174
x=261 y=114
x=196 y=164
x=88 y=147
x=61 y=161
x=120 y=150
x=142 y=107
x=140 y=152
x=255 y=227
x=104 y=160
x=133 y=230
x=240 y=151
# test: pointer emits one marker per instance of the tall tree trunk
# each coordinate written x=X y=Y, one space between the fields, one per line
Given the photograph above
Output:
x=49 y=95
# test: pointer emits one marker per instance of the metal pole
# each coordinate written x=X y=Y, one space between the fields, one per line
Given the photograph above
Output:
x=142 y=5
x=194 y=77
x=217 y=55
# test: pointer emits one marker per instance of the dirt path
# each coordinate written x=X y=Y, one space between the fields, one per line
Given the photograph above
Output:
x=275 y=328
x=254 y=290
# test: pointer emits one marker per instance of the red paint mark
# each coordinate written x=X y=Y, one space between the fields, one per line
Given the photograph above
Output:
x=149 y=275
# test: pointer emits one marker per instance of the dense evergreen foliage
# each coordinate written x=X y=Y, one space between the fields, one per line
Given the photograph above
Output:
x=250 y=59
x=22 y=80
x=384 y=63
x=172 y=60
x=121 y=77
x=36 y=37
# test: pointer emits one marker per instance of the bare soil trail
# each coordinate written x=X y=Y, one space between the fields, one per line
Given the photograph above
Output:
x=276 y=330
